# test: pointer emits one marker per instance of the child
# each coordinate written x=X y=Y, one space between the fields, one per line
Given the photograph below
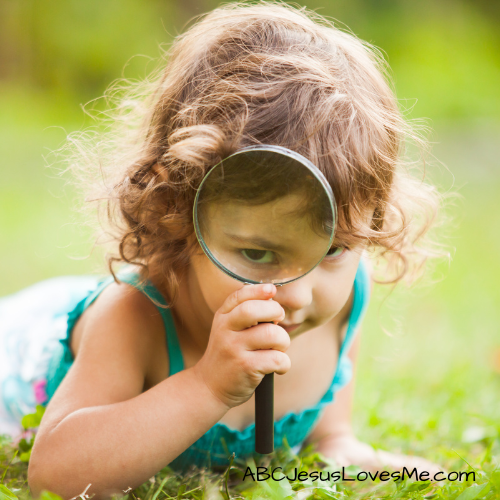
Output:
x=133 y=385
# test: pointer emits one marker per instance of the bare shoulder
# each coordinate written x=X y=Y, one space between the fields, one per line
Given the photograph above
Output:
x=132 y=321
x=116 y=343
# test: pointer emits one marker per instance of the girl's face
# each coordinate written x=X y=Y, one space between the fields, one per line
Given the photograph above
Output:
x=274 y=242
x=309 y=302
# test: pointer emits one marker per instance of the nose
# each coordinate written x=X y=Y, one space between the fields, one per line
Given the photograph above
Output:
x=295 y=296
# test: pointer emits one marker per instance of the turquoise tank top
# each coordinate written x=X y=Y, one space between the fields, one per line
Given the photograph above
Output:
x=214 y=448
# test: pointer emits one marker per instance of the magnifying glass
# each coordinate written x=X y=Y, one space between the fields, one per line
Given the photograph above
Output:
x=265 y=214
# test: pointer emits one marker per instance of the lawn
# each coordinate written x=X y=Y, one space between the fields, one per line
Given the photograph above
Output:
x=428 y=380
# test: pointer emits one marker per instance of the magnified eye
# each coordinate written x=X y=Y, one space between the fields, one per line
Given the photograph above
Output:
x=258 y=256
x=335 y=251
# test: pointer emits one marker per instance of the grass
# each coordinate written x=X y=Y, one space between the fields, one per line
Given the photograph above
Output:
x=428 y=380
x=244 y=481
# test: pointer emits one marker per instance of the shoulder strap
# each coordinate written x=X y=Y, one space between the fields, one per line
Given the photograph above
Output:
x=176 y=362
x=361 y=299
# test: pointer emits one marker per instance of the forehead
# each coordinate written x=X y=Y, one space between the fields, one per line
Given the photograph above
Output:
x=286 y=206
x=283 y=219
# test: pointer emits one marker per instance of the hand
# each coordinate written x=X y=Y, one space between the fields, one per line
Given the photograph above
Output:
x=345 y=450
x=241 y=351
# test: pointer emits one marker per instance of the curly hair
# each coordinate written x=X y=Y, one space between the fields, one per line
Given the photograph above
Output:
x=248 y=74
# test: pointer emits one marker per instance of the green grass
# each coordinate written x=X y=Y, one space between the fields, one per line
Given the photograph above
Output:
x=243 y=481
x=428 y=380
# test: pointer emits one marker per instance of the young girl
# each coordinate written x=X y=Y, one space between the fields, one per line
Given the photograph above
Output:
x=157 y=364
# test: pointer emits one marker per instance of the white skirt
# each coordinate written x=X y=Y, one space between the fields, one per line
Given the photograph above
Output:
x=32 y=322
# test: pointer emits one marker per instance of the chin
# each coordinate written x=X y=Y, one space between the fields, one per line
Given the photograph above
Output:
x=305 y=327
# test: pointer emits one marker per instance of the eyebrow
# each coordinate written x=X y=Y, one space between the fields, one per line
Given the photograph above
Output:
x=261 y=242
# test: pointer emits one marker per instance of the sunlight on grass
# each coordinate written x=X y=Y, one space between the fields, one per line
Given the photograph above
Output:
x=428 y=380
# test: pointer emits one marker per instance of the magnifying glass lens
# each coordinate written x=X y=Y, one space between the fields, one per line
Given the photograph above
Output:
x=265 y=215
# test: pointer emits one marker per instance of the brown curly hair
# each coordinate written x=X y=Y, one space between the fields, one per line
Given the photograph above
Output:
x=249 y=74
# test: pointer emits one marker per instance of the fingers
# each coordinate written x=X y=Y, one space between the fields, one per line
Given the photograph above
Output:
x=398 y=461
x=253 y=312
x=269 y=361
x=251 y=305
x=266 y=336
x=248 y=292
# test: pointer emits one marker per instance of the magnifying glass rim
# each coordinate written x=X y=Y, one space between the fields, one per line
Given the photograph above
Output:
x=273 y=149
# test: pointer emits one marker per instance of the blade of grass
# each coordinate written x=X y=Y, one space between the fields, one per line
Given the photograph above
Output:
x=181 y=491
x=190 y=491
x=160 y=488
x=226 y=477
x=167 y=495
x=10 y=463
x=459 y=456
x=149 y=491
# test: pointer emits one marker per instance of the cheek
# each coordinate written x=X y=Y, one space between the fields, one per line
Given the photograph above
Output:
x=214 y=285
x=329 y=299
x=334 y=285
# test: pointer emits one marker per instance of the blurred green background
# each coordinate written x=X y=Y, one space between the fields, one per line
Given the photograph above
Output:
x=428 y=378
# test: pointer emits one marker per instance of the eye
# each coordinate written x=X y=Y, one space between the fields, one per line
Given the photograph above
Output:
x=335 y=251
x=258 y=256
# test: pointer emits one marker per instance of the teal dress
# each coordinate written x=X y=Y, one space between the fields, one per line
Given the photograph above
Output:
x=214 y=448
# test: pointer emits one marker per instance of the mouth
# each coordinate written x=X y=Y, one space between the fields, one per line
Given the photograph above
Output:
x=290 y=328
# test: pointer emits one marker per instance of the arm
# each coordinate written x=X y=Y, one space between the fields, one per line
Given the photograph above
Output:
x=334 y=437
x=335 y=422
x=100 y=428
x=334 y=426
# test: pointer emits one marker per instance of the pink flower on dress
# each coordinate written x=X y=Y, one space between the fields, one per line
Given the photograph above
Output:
x=40 y=392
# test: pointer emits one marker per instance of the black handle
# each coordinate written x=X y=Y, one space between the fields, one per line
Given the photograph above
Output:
x=264 y=415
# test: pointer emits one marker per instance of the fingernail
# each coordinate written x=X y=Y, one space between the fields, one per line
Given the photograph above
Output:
x=268 y=288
